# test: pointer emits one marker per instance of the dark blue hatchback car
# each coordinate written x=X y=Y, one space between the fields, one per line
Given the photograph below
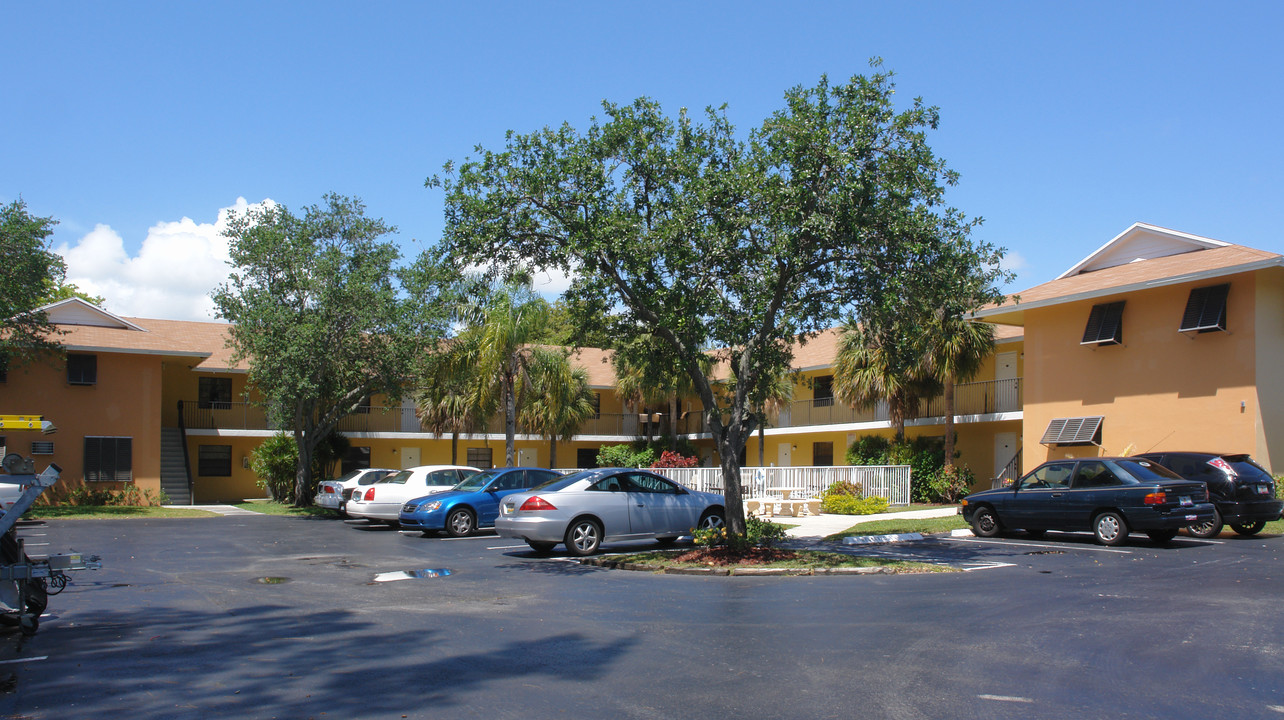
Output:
x=1110 y=497
x=471 y=504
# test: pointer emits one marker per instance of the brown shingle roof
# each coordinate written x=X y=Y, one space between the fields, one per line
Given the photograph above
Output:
x=1132 y=276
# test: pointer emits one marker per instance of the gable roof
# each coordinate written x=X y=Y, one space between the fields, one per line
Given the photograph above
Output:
x=1140 y=242
x=1142 y=257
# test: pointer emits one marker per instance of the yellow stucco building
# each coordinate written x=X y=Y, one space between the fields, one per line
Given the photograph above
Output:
x=1158 y=340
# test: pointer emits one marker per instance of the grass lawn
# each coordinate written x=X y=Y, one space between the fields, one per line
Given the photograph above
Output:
x=803 y=560
x=98 y=512
x=275 y=508
x=908 y=525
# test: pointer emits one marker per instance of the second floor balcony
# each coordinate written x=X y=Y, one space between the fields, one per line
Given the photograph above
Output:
x=977 y=398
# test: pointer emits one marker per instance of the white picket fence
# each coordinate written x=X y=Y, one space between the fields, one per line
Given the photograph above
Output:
x=889 y=481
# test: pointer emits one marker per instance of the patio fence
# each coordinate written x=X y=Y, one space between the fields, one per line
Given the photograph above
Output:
x=889 y=481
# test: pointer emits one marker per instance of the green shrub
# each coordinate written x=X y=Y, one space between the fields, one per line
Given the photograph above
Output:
x=87 y=495
x=276 y=463
x=625 y=456
x=849 y=505
x=844 y=487
x=948 y=485
x=925 y=456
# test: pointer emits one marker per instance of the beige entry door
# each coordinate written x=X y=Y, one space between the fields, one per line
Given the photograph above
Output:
x=1005 y=375
x=1004 y=450
x=409 y=457
x=783 y=456
x=528 y=457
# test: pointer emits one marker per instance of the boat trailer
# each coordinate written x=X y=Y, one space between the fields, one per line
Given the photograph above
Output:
x=26 y=583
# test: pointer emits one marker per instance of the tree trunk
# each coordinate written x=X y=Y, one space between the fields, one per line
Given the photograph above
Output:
x=673 y=423
x=552 y=453
x=454 y=448
x=949 y=422
x=732 y=501
x=303 y=473
x=762 y=436
x=510 y=425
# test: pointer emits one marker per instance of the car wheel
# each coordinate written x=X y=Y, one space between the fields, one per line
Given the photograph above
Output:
x=1163 y=537
x=1250 y=528
x=460 y=523
x=1110 y=528
x=985 y=523
x=1210 y=529
x=1035 y=534
x=541 y=547
x=711 y=520
x=583 y=537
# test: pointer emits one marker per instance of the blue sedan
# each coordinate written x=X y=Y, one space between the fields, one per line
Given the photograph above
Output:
x=471 y=504
x=1110 y=497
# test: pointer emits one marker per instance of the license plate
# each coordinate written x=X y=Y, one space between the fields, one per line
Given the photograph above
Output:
x=1185 y=501
x=1263 y=490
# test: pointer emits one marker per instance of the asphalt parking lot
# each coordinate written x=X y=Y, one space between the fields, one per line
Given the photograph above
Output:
x=269 y=617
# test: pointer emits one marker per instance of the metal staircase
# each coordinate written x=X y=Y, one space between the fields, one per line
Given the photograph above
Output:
x=174 y=467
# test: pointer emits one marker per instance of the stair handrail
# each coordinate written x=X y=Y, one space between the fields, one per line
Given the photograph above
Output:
x=187 y=462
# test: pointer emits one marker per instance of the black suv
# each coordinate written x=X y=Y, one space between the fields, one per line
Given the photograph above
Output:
x=1242 y=492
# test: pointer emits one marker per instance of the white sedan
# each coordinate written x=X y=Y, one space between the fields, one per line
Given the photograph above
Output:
x=382 y=501
x=334 y=494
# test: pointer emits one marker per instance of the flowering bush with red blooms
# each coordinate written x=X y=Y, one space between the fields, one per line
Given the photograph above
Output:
x=670 y=459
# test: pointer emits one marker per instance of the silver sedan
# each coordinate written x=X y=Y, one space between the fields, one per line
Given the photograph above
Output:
x=594 y=506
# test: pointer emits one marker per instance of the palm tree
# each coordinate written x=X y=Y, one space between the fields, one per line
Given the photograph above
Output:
x=778 y=392
x=444 y=403
x=958 y=349
x=559 y=400
x=645 y=374
x=876 y=364
x=498 y=337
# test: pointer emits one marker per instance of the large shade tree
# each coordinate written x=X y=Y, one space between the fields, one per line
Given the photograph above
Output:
x=707 y=240
x=30 y=274
x=326 y=315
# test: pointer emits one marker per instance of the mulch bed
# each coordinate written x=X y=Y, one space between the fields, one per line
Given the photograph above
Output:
x=722 y=555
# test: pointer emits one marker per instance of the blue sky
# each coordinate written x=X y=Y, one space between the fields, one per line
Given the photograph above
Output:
x=1067 y=121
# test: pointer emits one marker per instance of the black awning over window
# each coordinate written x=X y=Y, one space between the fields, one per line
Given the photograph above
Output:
x=1105 y=325
x=1206 y=309
x=1073 y=431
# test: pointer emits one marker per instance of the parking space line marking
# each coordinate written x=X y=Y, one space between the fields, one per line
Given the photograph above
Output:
x=507 y=547
x=1006 y=698
x=22 y=660
x=989 y=566
x=1038 y=545
x=1276 y=708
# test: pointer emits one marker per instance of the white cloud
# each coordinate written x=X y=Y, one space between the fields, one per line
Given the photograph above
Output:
x=178 y=265
x=1013 y=261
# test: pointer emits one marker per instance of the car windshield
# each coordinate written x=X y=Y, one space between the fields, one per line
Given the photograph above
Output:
x=399 y=478
x=1146 y=471
x=561 y=483
x=477 y=481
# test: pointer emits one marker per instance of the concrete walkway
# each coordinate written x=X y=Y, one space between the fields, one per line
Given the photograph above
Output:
x=815 y=527
x=220 y=509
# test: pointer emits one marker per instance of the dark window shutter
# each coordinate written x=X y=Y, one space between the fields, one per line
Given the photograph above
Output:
x=1105 y=324
x=1205 y=309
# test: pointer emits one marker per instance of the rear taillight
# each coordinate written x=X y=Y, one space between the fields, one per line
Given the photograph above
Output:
x=535 y=502
x=329 y=489
x=369 y=495
x=1155 y=498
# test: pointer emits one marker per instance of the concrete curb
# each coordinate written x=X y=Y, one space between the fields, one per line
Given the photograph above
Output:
x=881 y=539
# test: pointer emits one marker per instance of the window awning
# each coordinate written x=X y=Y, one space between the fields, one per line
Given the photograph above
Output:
x=1073 y=431
x=1206 y=309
